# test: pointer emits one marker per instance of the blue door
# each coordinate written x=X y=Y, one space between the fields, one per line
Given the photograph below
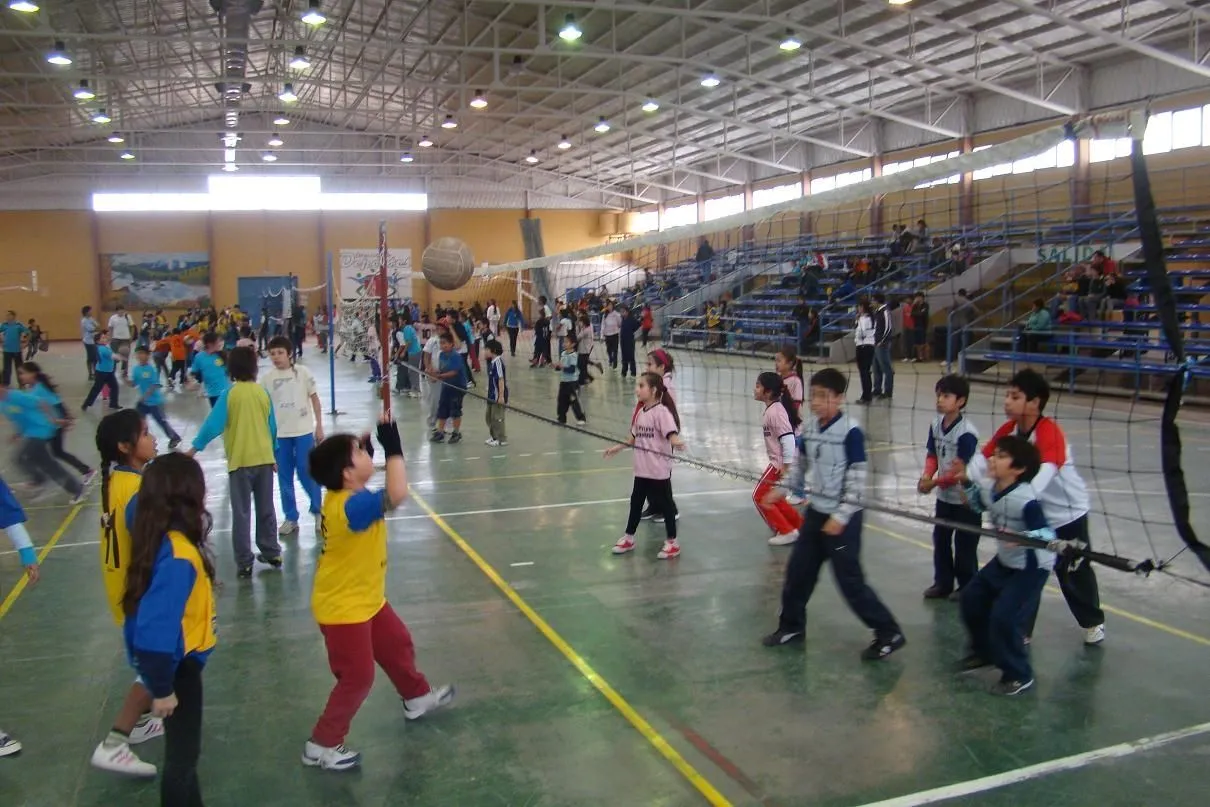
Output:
x=259 y=292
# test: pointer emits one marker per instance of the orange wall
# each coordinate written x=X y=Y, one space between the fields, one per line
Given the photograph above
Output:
x=63 y=246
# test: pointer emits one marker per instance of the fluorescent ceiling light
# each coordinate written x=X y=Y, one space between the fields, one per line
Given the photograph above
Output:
x=287 y=93
x=281 y=120
x=449 y=122
x=276 y=140
x=100 y=117
x=230 y=168
x=312 y=15
x=479 y=101
x=790 y=43
x=570 y=32
x=116 y=138
x=899 y=2
x=84 y=92
x=230 y=139
x=58 y=54
x=269 y=157
x=532 y=158
x=23 y=5
x=232 y=193
x=406 y=158
x=650 y=106
x=228 y=155
x=424 y=142
x=300 y=60
x=602 y=126
x=564 y=143
x=126 y=155
x=710 y=81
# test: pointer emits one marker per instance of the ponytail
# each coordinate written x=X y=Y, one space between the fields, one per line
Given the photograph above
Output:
x=771 y=382
x=123 y=426
x=43 y=379
x=656 y=382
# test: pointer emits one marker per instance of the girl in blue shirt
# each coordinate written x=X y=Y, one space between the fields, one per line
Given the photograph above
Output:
x=103 y=374
x=39 y=383
x=35 y=422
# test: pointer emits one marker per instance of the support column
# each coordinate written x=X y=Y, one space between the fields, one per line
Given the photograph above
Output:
x=966 y=182
x=805 y=220
x=748 y=233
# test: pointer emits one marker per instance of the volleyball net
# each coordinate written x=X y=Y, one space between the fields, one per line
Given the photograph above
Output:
x=989 y=262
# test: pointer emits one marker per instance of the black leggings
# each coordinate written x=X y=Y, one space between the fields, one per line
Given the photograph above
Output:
x=63 y=455
x=183 y=740
x=569 y=397
x=659 y=493
x=513 y=330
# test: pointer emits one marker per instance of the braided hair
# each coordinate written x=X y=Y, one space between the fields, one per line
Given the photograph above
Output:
x=122 y=427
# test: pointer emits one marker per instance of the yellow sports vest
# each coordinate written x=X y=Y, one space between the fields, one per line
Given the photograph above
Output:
x=351 y=576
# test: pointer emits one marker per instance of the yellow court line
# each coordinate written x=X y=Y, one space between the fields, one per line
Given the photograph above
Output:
x=1133 y=617
x=9 y=601
x=712 y=795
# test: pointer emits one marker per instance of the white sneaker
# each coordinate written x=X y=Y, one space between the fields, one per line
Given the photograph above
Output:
x=794 y=499
x=428 y=702
x=785 y=539
x=118 y=758
x=148 y=728
x=8 y=746
x=1094 y=635
x=288 y=528
x=490 y=442
x=336 y=758
x=625 y=544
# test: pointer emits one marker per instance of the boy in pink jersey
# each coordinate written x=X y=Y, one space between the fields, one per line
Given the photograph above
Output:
x=777 y=424
x=1062 y=494
x=654 y=434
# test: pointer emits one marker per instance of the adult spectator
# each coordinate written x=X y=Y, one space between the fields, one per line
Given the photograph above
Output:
x=121 y=331
x=11 y=332
x=884 y=337
x=88 y=335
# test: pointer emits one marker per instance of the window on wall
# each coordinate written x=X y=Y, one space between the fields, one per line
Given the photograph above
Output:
x=952 y=179
x=1187 y=128
x=1100 y=151
x=647 y=221
x=780 y=193
x=723 y=206
x=853 y=177
x=679 y=216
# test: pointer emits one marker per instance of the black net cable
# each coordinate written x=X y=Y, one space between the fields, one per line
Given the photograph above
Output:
x=1166 y=306
x=1145 y=566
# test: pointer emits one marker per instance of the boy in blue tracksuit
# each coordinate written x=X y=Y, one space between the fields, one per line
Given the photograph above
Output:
x=103 y=374
x=145 y=377
x=209 y=368
x=453 y=374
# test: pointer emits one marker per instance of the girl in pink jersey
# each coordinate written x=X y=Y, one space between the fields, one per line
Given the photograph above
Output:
x=789 y=367
x=660 y=363
x=778 y=424
x=654 y=434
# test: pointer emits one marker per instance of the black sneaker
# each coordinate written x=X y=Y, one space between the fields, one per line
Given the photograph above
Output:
x=658 y=518
x=1010 y=688
x=244 y=572
x=973 y=662
x=880 y=648
x=437 y=437
x=275 y=561
x=936 y=593
x=648 y=513
x=781 y=637
x=456 y=437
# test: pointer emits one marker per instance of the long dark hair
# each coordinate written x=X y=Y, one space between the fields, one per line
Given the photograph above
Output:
x=172 y=497
x=656 y=382
x=772 y=383
x=43 y=378
x=123 y=426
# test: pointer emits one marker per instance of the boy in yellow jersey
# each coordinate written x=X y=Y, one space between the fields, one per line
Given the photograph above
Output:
x=349 y=598
x=243 y=415
x=125 y=446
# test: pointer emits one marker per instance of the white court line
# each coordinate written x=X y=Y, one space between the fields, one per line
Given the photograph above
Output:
x=1018 y=775
x=418 y=516
x=522 y=563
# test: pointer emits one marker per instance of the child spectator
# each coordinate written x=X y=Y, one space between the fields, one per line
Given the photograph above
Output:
x=104 y=374
x=146 y=379
x=569 y=392
x=497 y=393
x=453 y=375
x=299 y=417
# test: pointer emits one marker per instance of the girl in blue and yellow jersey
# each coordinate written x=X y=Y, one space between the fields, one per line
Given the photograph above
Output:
x=125 y=446
x=359 y=626
x=12 y=521
x=170 y=612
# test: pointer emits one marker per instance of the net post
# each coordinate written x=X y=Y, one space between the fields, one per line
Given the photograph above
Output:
x=383 y=315
x=331 y=344
x=33 y=280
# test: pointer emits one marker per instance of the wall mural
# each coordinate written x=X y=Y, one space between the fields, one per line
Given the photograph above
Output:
x=139 y=280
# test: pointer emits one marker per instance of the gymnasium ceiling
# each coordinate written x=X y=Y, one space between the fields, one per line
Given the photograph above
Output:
x=384 y=74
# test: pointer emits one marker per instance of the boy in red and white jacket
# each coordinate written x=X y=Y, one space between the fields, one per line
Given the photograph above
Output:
x=1060 y=491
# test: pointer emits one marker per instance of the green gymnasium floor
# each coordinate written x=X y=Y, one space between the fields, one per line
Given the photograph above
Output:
x=585 y=679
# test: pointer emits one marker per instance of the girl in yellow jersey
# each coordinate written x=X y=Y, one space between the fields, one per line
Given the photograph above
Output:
x=349 y=598
x=125 y=446
x=170 y=613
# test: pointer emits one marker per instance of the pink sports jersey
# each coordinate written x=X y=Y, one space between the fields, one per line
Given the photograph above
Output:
x=651 y=428
x=668 y=385
x=794 y=385
x=776 y=425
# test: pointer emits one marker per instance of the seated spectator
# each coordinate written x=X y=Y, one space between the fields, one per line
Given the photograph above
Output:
x=1036 y=331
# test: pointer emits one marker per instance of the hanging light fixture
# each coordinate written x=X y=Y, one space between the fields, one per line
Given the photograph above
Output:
x=275 y=140
x=564 y=143
x=650 y=106
x=424 y=142
x=570 y=32
x=287 y=95
x=532 y=158
x=269 y=157
x=116 y=138
x=479 y=101
x=312 y=15
x=230 y=168
x=791 y=42
x=602 y=126
x=23 y=5
x=449 y=122
x=101 y=117
x=84 y=92
x=281 y=120
x=300 y=60
x=126 y=154
x=406 y=157
x=58 y=54
x=711 y=81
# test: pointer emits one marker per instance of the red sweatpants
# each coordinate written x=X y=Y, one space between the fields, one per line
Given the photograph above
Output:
x=352 y=652
x=780 y=516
